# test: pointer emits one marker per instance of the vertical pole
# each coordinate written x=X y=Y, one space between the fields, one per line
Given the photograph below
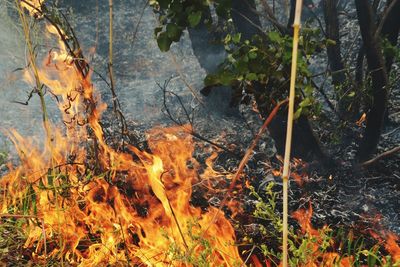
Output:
x=110 y=49
x=286 y=162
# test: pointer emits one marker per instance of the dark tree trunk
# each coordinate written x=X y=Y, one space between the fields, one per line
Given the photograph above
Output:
x=337 y=67
x=305 y=145
x=333 y=51
x=306 y=14
x=245 y=19
x=377 y=69
x=391 y=29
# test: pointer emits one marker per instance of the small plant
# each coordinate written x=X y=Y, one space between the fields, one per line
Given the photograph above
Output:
x=3 y=156
x=323 y=247
x=199 y=249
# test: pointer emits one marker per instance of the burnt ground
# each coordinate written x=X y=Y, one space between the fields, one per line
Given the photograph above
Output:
x=345 y=197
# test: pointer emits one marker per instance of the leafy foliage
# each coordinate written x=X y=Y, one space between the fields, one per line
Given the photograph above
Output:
x=176 y=15
x=260 y=66
x=323 y=247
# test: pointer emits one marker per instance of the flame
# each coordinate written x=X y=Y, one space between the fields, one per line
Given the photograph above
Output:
x=360 y=121
x=101 y=207
x=317 y=257
x=34 y=7
x=393 y=247
x=390 y=242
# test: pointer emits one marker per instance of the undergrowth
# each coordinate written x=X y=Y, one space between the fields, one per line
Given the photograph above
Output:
x=311 y=247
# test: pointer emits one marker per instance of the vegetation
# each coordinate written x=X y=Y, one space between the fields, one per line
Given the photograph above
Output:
x=323 y=247
x=88 y=203
x=258 y=64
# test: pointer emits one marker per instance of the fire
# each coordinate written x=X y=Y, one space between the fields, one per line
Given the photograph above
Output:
x=390 y=243
x=317 y=239
x=361 y=120
x=318 y=257
x=392 y=247
x=100 y=207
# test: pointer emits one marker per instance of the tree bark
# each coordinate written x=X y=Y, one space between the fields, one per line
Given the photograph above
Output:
x=391 y=29
x=245 y=19
x=332 y=32
x=377 y=69
x=305 y=144
x=336 y=65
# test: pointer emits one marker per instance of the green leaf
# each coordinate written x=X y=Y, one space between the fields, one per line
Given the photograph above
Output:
x=236 y=38
x=211 y=79
x=251 y=76
x=351 y=94
x=262 y=77
x=308 y=89
x=50 y=180
x=230 y=58
x=194 y=18
x=274 y=37
x=252 y=54
x=297 y=113
x=41 y=185
x=226 y=78
x=164 y=42
x=330 y=42
x=305 y=103
x=222 y=8
x=228 y=38
x=287 y=56
x=173 y=32
x=176 y=6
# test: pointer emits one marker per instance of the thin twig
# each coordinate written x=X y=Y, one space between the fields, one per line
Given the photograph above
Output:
x=391 y=132
x=248 y=257
x=179 y=71
x=380 y=156
x=384 y=17
x=250 y=21
x=115 y=101
x=140 y=20
x=177 y=121
x=245 y=159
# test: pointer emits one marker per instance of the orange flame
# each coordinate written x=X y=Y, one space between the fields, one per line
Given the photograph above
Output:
x=124 y=210
x=393 y=247
x=317 y=257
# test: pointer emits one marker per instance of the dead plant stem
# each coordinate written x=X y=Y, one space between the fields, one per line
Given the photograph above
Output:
x=32 y=64
x=286 y=162
x=110 y=48
x=245 y=159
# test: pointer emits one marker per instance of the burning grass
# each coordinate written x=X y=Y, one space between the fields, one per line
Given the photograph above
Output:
x=309 y=246
x=76 y=201
x=79 y=201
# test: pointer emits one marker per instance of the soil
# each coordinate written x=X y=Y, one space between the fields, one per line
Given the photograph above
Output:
x=346 y=196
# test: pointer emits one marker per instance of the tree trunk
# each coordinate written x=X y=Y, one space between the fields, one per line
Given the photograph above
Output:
x=332 y=32
x=377 y=69
x=337 y=67
x=245 y=19
x=391 y=29
x=305 y=145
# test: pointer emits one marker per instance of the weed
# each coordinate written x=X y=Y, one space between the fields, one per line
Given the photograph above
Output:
x=311 y=247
